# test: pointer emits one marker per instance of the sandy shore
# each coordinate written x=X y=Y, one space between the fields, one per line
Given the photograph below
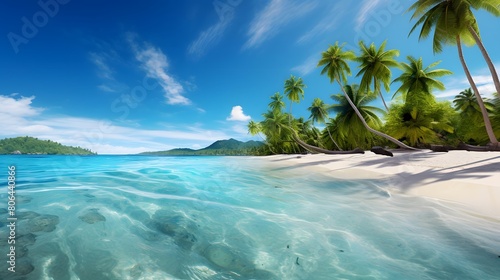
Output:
x=470 y=179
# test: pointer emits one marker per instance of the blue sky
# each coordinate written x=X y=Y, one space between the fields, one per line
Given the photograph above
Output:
x=128 y=76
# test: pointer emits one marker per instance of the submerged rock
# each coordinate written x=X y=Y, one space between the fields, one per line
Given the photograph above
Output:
x=233 y=261
x=185 y=239
x=220 y=255
x=92 y=216
x=136 y=271
x=179 y=227
x=26 y=239
x=95 y=264
x=56 y=262
x=21 y=251
x=27 y=215
x=23 y=199
x=145 y=234
x=46 y=223
x=24 y=266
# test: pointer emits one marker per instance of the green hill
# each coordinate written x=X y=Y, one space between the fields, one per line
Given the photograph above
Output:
x=232 y=144
x=231 y=147
x=31 y=145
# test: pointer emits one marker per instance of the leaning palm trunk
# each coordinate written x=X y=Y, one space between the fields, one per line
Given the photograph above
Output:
x=268 y=145
x=383 y=101
x=484 y=112
x=392 y=139
x=381 y=96
x=329 y=134
x=314 y=149
x=487 y=58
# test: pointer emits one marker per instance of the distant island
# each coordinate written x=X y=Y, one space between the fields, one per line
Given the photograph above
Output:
x=34 y=146
x=231 y=147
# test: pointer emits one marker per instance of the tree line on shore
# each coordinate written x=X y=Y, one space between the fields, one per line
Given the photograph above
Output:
x=32 y=145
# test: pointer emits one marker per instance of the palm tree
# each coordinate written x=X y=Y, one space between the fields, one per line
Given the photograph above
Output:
x=294 y=90
x=496 y=111
x=466 y=103
x=454 y=22
x=277 y=128
x=334 y=62
x=375 y=67
x=319 y=114
x=470 y=112
x=277 y=103
x=418 y=82
x=349 y=125
x=253 y=128
x=307 y=131
x=333 y=126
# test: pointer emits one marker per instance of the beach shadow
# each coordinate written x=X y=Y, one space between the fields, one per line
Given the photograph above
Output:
x=406 y=181
x=309 y=164
x=397 y=160
x=288 y=158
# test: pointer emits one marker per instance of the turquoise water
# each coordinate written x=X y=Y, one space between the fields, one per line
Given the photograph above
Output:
x=135 y=217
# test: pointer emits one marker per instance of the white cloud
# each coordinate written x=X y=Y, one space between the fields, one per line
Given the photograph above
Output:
x=20 y=118
x=13 y=108
x=454 y=86
x=238 y=115
x=155 y=63
x=364 y=12
x=240 y=129
x=273 y=17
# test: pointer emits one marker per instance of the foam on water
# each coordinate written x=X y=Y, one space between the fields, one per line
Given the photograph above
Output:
x=134 y=217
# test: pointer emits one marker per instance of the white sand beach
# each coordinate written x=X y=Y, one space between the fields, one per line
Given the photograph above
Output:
x=467 y=179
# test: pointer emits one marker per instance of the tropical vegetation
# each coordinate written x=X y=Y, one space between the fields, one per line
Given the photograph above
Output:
x=414 y=118
x=31 y=145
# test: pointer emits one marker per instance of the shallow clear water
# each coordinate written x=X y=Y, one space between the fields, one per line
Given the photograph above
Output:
x=135 y=217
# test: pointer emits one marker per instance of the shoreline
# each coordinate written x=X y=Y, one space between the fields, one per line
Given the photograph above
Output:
x=469 y=179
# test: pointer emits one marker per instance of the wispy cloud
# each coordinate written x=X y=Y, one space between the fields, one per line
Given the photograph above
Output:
x=21 y=118
x=308 y=65
x=208 y=38
x=273 y=17
x=238 y=115
x=104 y=71
x=155 y=63
x=106 y=88
x=212 y=35
x=327 y=23
x=364 y=12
